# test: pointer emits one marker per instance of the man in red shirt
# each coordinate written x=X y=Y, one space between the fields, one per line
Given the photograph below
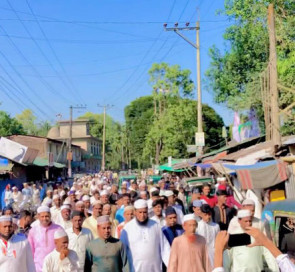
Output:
x=211 y=200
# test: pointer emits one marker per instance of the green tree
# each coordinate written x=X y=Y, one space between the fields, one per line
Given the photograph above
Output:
x=43 y=128
x=113 y=137
x=9 y=125
x=27 y=119
x=234 y=76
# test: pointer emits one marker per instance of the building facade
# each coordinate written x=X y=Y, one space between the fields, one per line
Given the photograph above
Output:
x=90 y=146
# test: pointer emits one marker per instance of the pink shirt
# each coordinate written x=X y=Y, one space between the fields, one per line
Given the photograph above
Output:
x=41 y=240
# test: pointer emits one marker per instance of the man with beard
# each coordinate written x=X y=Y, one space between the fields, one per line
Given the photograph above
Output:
x=55 y=209
x=24 y=225
x=16 y=254
x=105 y=253
x=91 y=222
x=172 y=229
x=146 y=245
x=189 y=251
x=41 y=237
x=61 y=258
x=64 y=219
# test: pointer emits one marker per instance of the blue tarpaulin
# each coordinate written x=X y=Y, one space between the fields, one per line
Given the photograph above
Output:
x=252 y=166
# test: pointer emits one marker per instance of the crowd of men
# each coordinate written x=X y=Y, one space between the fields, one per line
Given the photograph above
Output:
x=95 y=225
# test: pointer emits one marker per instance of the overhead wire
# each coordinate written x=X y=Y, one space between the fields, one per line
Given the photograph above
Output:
x=56 y=57
x=148 y=51
x=39 y=48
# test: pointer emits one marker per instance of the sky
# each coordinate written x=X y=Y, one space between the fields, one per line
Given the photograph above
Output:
x=58 y=53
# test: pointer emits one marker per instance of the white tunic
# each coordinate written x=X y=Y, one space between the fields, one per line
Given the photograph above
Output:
x=209 y=232
x=17 y=198
x=78 y=243
x=248 y=259
x=160 y=221
x=17 y=255
x=53 y=263
x=55 y=213
x=146 y=246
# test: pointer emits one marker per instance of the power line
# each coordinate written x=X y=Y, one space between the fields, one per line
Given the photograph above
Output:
x=55 y=55
x=37 y=45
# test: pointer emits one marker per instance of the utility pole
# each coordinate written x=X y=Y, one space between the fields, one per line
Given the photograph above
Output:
x=273 y=77
x=105 y=107
x=196 y=45
x=70 y=156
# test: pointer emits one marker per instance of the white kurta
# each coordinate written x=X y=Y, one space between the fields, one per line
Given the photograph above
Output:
x=17 y=255
x=53 y=263
x=248 y=259
x=146 y=246
x=161 y=221
x=17 y=198
x=78 y=243
x=209 y=232
x=63 y=223
x=55 y=213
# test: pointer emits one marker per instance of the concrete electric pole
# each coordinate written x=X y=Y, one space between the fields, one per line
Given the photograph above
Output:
x=69 y=155
x=177 y=30
x=105 y=107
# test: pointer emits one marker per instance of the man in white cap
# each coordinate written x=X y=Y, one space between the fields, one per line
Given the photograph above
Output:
x=41 y=236
x=104 y=197
x=91 y=222
x=171 y=202
x=16 y=196
x=128 y=216
x=55 y=209
x=189 y=251
x=16 y=254
x=49 y=195
x=244 y=258
x=61 y=258
x=79 y=237
x=64 y=218
x=247 y=204
x=146 y=245
x=105 y=253
x=87 y=205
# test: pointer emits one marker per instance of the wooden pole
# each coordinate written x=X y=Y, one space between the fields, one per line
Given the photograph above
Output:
x=273 y=77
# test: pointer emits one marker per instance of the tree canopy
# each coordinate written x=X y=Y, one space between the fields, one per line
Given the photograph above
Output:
x=234 y=75
x=9 y=125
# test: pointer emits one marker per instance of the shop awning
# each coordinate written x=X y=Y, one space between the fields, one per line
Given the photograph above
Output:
x=42 y=162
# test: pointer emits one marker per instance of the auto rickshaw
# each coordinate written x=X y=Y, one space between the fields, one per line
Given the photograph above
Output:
x=279 y=217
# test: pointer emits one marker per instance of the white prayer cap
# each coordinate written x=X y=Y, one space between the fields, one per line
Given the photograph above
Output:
x=104 y=192
x=124 y=183
x=55 y=197
x=153 y=189
x=96 y=202
x=244 y=213
x=128 y=208
x=73 y=189
x=60 y=233
x=109 y=188
x=49 y=191
x=162 y=193
x=67 y=202
x=63 y=207
x=62 y=193
x=85 y=198
x=100 y=182
x=48 y=202
x=42 y=209
x=143 y=192
x=221 y=179
x=13 y=188
x=103 y=219
x=189 y=217
x=169 y=193
x=79 y=203
x=248 y=201
x=140 y=204
x=142 y=183
x=5 y=218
